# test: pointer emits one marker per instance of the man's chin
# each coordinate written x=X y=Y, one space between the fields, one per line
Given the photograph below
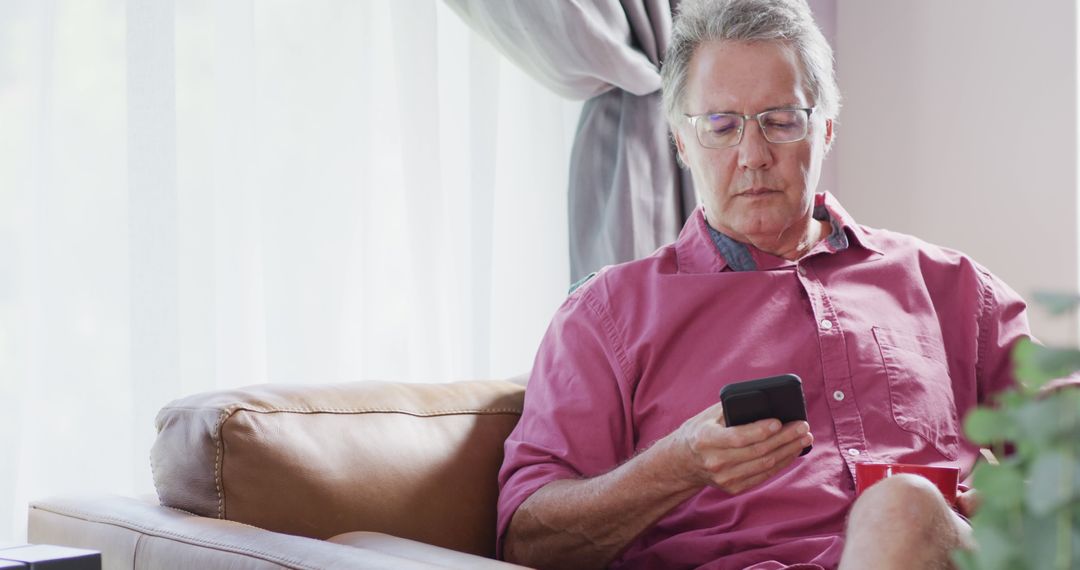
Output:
x=761 y=229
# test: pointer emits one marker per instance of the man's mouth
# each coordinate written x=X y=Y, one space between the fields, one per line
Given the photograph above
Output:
x=752 y=192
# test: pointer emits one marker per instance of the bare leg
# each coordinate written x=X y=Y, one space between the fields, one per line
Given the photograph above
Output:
x=903 y=522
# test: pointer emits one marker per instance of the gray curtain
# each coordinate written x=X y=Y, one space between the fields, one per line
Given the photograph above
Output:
x=627 y=195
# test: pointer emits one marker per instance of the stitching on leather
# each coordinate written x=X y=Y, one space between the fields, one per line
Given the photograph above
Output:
x=219 y=444
x=158 y=533
x=191 y=514
x=217 y=472
x=135 y=551
x=153 y=474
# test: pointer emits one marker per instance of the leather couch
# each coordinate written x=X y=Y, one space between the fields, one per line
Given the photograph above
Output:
x=359 y=475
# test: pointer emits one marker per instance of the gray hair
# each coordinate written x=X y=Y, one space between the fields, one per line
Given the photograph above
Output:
x=700 y=21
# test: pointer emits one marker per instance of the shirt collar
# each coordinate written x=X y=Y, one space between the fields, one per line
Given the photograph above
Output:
x=840 y=216
x=702 y=249
x=737 y=255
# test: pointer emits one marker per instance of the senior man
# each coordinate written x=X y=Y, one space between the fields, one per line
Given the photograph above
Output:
x=622 y=456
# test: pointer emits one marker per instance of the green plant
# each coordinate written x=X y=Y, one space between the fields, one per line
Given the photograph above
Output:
x=1030 y=512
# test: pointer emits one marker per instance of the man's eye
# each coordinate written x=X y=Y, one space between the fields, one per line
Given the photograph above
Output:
x=779 y=124
x=721 y=124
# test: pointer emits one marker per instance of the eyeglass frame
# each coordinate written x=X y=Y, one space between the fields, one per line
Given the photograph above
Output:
x=693 y=119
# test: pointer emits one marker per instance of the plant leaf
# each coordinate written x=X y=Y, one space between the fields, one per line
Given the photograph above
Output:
x=1037 y=422
x=1059 y=362
x=1048 y=487
x=985 y=426
x=1040 y=541
x=1055 y=302
x=964 y=559
x=1066 y=404
x=1011 y=398
x=1076 y=535
x=1025 y=359
x=994 y=550
x=1003 y=486
x=1036 y=365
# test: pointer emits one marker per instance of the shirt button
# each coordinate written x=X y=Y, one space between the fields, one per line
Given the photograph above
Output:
x=838 y=395
x=802 y=271
x=826 y=324
x=853 y=452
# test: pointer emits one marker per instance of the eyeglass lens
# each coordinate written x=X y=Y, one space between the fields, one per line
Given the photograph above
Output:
x=725 y=129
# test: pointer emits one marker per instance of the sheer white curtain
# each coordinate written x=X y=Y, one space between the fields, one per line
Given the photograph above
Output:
x=211 y=193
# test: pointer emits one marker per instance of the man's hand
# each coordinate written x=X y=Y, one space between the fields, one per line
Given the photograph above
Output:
x=735 y=459
x=968 y=502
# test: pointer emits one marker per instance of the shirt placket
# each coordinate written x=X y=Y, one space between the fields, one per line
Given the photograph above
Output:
x=836 y=372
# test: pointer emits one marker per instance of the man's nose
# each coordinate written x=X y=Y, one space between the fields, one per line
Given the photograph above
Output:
x=754 y=151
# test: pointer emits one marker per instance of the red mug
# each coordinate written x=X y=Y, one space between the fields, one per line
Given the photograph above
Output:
x=944 y=478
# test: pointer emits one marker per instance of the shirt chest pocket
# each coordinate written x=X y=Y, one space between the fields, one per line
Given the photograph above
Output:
x=920 y=390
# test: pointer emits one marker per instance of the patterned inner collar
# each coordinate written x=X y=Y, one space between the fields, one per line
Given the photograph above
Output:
x=738 y=255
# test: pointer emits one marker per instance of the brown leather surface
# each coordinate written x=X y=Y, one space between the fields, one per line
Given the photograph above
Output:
x=418 y=551
x=116 y=544
x=132 y=534
x=417 y=461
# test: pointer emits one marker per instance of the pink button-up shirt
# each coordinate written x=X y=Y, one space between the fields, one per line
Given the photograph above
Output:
x=894 y=339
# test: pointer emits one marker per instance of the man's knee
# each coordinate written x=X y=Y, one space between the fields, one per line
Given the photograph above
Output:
x=902 y=522
x=900 y=501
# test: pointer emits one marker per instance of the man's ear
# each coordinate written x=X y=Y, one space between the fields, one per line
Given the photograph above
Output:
x=680 y=146
x=828 y=134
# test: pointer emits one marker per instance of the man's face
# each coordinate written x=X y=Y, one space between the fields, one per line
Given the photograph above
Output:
x=756 y=191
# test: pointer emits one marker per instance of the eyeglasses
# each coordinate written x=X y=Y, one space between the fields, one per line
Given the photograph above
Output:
x=722 y=130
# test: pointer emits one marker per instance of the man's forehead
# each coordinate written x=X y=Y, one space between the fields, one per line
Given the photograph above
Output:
x=744 y=77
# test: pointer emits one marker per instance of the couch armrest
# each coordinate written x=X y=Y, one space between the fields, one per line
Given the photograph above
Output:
x=418 y=461
x=132 y=534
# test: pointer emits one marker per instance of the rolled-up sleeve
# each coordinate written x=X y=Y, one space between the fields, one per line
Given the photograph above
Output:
x=1002 y=322
x=577 y=418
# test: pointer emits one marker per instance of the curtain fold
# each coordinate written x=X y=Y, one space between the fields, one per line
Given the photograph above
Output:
x=627 y=195
x=625 y=201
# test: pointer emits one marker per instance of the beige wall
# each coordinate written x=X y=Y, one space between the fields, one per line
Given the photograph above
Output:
x=959 y=126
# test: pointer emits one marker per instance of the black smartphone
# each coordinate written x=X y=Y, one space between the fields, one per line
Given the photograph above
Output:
x=779 y=397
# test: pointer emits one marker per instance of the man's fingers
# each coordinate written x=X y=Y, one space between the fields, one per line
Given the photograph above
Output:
x=727 y=465
x=767 y=461
x=739 y=486
x=772 y=439
x=793 y=448
x=968 y=502
x=749 y=434
x=779 y=459
x=712 y=437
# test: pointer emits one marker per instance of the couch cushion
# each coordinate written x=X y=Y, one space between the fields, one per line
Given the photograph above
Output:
x=418 y=461
x=134 y=535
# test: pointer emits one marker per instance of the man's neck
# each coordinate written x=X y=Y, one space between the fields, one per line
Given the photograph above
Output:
x=791 y=244
x=816 y=230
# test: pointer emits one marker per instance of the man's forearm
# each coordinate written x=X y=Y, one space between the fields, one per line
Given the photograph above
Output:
x=585 y=523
